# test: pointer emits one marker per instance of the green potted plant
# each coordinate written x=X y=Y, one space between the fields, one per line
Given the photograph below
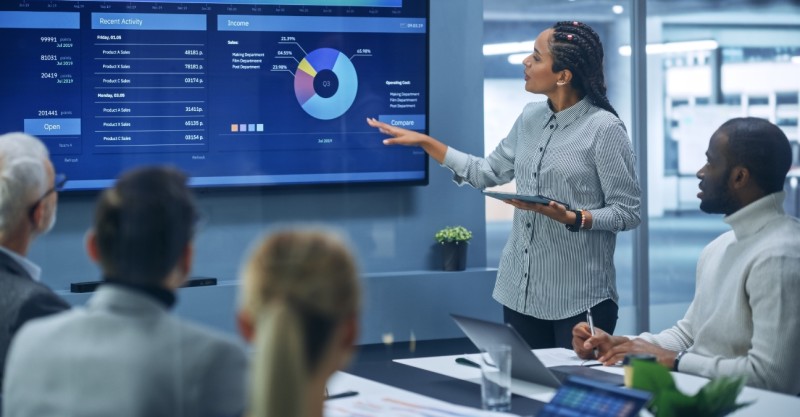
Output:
x=454 y=241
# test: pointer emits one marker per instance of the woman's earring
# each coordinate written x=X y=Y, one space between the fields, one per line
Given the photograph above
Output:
x=560 y=82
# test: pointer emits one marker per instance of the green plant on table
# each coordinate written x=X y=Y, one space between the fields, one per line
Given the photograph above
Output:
x=455 y=234
x=717 y=398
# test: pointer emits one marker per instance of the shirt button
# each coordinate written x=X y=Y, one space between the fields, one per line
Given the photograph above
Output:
x=528 y=225
x=541 y=149
x=551 y=126
x=534 y=175
x=526 y=275
x=526 y=251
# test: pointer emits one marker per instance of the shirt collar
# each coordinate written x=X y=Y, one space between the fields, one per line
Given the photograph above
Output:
x=567 y=116
x=31 y=268
x=164 y=296
x=751 y=218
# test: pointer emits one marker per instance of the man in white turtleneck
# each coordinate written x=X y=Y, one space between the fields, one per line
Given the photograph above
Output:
x=745 y=316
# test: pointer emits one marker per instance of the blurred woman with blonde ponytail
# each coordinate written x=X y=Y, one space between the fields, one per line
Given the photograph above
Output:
x=299 y=307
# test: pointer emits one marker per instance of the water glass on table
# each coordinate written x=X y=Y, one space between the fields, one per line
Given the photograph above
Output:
x=496 y=378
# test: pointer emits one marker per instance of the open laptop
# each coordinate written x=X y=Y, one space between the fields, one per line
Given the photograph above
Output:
x=524 y=363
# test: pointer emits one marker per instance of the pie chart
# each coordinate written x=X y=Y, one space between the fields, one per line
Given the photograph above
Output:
x=325 y=83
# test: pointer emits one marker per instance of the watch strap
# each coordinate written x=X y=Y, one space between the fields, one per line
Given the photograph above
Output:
x=578 y=221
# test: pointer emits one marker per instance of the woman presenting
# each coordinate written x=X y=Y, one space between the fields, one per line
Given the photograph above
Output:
x=558 y=262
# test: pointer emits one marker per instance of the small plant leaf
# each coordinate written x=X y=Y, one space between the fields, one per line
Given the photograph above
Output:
x=716 y=399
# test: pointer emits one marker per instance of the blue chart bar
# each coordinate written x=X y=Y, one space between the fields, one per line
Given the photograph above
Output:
x=251 y=23
x=148 y=21
x=40 y=20
x=331 y=3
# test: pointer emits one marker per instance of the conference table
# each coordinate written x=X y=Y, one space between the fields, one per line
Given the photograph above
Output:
x=423 y=379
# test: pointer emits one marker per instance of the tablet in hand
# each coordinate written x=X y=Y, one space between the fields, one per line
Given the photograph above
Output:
x=539 y=199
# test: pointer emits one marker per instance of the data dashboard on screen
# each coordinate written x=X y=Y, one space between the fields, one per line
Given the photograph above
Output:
x=235 y=93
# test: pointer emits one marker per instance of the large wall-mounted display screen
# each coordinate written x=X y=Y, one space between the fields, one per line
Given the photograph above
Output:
x=236 y=93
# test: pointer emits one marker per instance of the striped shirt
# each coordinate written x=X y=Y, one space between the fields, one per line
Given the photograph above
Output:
x=583 y=157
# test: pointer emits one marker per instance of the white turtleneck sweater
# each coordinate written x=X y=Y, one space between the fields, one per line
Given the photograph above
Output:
x=745 y=316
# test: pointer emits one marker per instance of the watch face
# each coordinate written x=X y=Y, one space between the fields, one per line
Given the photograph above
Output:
x=678 y=360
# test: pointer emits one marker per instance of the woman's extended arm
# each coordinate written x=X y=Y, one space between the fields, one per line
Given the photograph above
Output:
x=400 y=136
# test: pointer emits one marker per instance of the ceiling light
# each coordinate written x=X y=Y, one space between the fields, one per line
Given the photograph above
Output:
x=796 y=59
x=507 y=48
x=617 y=9
x=673 y=47
x=516 y=59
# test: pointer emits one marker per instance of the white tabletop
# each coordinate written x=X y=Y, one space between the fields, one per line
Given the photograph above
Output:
x=375 y=399
x=766 y=403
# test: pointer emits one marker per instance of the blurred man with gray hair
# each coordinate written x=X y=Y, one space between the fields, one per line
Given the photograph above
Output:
x=28 y=199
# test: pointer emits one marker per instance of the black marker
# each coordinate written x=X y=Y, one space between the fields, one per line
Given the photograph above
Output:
x=342 y=395
x=467 y=362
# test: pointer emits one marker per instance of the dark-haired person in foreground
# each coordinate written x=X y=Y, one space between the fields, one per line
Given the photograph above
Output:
x=572 y=148
x=745 y=316
x=28 y=200
x=125 y=354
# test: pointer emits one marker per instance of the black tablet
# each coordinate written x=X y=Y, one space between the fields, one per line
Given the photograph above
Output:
x=540 y=199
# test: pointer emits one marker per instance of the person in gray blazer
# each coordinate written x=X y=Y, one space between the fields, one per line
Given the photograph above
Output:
x=28 y=200
x=125 y=354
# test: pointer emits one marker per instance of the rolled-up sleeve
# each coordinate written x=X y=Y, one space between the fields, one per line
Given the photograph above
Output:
x=615 y=169
x=495 y=169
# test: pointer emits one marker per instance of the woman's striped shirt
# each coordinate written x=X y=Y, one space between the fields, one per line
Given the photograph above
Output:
x=581 y=156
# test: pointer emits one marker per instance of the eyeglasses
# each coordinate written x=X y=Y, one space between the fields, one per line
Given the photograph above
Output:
x=58 y=185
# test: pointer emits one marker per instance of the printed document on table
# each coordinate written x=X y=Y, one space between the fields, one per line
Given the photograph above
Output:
x=387 y=406
x=560 y=356
x=375 y=399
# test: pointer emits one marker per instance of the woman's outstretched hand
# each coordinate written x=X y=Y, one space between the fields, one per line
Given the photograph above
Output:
x=405 y=137
x=398 y=135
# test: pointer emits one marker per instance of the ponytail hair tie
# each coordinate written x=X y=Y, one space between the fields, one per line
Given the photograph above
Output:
x=575 y=24
x=569 y=37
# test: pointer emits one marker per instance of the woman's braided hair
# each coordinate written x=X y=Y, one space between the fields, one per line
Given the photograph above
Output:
x=575 y=46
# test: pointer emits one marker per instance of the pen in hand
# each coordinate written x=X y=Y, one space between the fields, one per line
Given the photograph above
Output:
x=591 y=327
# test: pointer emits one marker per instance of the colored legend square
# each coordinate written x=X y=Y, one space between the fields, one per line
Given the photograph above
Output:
x=243 y=127
x=260 y=127
x=251 y=127
x=234 y=128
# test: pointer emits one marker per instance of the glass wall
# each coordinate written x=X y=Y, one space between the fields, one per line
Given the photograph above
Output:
x=707 y=61
x=706 y=64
